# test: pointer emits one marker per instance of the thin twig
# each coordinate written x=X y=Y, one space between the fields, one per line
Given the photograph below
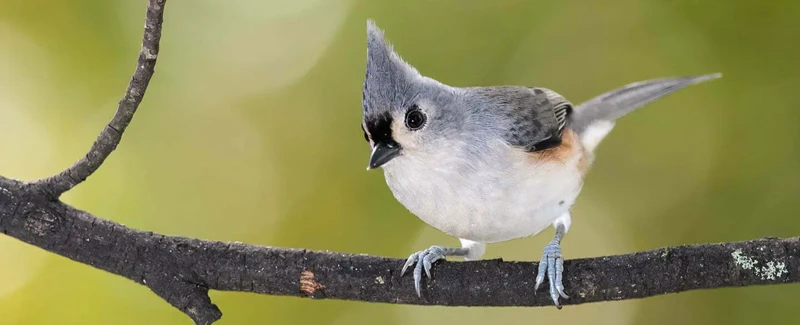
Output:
x=111 y=135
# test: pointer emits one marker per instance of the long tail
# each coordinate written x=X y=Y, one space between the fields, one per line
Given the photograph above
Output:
x=594 y=119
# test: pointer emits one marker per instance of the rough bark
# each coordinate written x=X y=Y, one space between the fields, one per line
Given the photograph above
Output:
x=109 y=138
x=181 y=270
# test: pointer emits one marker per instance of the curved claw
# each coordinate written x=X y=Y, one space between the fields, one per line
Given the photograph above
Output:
x=559 y=283
x=418 y=276
x=410 y=261
x=541 y=273
x=552 y=265
x=424 y=260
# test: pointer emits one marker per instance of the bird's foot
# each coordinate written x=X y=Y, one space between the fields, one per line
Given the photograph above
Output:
x=552 y=264
x=424 y=259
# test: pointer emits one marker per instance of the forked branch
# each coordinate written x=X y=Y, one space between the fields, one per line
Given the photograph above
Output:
x=111 y=135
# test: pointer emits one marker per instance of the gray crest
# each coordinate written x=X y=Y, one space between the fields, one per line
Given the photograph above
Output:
x=388 y=78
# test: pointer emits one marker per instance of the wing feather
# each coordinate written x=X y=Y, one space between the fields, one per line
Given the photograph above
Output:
x=536 y=116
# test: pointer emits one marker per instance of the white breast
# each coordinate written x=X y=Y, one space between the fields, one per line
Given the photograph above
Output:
x=502 y=195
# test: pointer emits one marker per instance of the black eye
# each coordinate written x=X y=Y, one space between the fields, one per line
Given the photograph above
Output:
x=415 y=119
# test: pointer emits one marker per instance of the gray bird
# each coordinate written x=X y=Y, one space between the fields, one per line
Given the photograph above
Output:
x=487 y=164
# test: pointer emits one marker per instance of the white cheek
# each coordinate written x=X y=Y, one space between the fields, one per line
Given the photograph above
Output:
x=412 y=140
x=407 y=139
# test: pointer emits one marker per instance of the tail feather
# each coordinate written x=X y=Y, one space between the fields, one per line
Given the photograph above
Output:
x=594 y=119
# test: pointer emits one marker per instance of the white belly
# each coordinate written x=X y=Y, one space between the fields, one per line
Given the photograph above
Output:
x=483 y=203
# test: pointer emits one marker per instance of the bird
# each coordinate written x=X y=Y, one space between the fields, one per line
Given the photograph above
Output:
x=487 y=164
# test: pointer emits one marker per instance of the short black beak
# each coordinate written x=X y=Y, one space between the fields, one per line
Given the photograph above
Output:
x=382 y=153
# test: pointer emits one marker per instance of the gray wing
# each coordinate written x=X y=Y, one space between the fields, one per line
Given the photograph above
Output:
x=618 y=102
x=535 y=116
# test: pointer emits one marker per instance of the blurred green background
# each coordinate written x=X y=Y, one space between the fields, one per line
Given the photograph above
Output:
x=250 y=132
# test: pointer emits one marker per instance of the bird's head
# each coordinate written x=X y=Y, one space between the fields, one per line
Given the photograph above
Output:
x=404 y=112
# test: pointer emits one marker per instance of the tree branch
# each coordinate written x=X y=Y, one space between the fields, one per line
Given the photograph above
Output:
x=181 y=270
x=111 y=135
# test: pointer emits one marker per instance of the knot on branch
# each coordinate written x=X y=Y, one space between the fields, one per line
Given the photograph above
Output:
x=190 y=298
x=42 y=222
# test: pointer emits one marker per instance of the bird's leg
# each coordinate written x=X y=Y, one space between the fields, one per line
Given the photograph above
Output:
x=552 y=263
x=424 y=259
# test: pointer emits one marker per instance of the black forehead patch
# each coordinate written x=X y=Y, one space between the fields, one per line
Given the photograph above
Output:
x=379 y=128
